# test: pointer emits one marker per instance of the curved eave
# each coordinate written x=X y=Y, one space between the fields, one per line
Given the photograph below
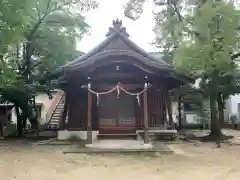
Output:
x=114 y=53
x=148 y=64
x=133 y=46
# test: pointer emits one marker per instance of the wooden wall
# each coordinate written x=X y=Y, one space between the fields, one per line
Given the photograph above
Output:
x=77 y=112
x=157 y=111
x=77 y=109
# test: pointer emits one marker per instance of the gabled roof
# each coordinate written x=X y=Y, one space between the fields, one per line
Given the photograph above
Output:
x=118 y=45
x=117 y=39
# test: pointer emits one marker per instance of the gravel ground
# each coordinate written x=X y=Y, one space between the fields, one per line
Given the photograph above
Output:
x=22 y=161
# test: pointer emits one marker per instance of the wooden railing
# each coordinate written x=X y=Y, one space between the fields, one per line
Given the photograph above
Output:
x=54 y=104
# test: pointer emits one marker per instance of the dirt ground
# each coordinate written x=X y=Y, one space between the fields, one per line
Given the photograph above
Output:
x=23 y=161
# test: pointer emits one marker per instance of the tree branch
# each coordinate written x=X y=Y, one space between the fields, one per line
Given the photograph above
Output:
x=36 y=64
x=174 y=7
x=48 y=6
x=29 y=37
x=236 y=55
x=38 y=12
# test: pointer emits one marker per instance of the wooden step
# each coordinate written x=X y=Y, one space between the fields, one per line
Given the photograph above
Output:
x=117 y=136
x=168 y=135
x=116 y=131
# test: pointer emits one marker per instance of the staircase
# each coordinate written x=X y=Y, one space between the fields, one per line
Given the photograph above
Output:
x=54 y=122
x=55 y=112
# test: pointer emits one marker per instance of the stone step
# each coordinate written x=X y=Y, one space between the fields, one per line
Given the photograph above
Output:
x=54 y=123
x=56 y=114
x=117 y=136
x=55 y=119
x=59 y=109
x=60 y=106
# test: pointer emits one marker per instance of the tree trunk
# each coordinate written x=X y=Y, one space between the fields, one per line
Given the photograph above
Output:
x=1 y=129
x=215 y=125
x=202 y=112
x=180 y=126
x=1 y=58
x=19 y=122
x=220 y=102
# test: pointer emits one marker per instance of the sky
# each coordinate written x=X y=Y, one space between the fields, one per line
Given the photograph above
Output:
x=100 y=20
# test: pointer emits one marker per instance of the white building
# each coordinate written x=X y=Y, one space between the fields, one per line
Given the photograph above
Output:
x=45 y=102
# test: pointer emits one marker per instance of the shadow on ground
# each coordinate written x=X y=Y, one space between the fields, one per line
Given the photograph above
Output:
x=203 y=136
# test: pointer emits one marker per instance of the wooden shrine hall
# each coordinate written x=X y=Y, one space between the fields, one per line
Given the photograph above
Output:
x=117 y=88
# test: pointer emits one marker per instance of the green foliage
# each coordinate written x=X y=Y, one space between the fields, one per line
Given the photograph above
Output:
x=36 y=37
x=206 y=110
x=134 y=8
x=203 y=40
x=13 y=21
x=59 y=24
x=217 y=26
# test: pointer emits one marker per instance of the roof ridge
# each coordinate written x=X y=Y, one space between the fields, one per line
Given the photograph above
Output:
x=117 y=31
x=141 y=50
x=90 y=53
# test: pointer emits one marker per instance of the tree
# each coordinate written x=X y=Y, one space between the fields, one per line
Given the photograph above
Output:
x=47 y=39
x=209 y=52
x=13 y=20
x=198 y=39
x=54 y=29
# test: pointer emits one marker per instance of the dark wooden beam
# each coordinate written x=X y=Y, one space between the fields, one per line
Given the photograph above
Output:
x=89 y=119
x=145 y=112
x=98 y=76
x=169 y=109
x=107 y=87
x=202 y=112
x=179 y=112
x=1 y=129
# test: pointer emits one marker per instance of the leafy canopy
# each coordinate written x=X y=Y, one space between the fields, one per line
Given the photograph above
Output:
x=36 y=37
x=216 y=35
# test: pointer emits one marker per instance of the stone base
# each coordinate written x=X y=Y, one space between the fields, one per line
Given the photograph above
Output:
x=88 y=145
x=81 y=135
x=146 y=146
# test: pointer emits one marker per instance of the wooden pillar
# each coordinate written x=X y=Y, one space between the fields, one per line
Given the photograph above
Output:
x=145 y=111
x=3 y=120
x=179 y=112
x=1 y=130
x=202 y=112
x=169 y=109
x=89 y=117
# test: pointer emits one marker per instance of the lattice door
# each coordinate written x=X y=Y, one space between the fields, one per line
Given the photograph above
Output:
x=108 y=108
x=126 y=110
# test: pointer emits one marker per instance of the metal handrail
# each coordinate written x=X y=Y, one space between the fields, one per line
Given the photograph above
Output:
x=54 y=104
